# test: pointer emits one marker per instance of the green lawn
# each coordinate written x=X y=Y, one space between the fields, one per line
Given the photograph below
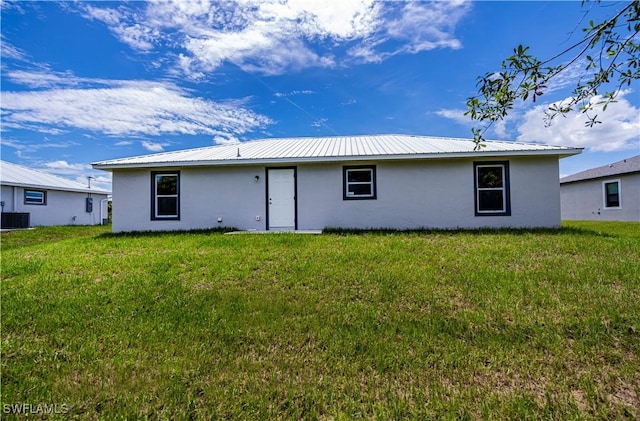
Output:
x=430 y=325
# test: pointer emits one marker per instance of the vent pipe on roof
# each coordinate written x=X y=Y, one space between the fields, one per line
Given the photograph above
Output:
x=89 y=181
x=238 y=155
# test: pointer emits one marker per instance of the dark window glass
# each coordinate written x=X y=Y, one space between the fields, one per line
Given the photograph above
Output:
x=360 y=190
x=166 y=184
x=167 y=206
x=612 y=195
x=359 y=176
x=490 y=177
x=490 y=200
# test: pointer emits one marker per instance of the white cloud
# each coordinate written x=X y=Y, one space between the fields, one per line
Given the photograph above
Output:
x=103 y=179
x=125 y=24
x=412 y=27
x=295 y=92
x=568 y=77
x=120 y=108
x=320 y=122
x=23 y=149
x=77 y=172
x=47 y=79
x=428 y=25
x=63 y=167
x=367 y=53
x=340 y=20
x=225 y=139
x=9 y=51
x=153 y=146
x=456 y=115
x=97 y=181
x=275 y=36
x=619 y=130
x=499 y=128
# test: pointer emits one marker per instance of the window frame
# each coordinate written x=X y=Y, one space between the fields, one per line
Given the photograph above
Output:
x=506 y=195
x=42 y=202
x=155 y=196
x=346 y=183
x=604 y=194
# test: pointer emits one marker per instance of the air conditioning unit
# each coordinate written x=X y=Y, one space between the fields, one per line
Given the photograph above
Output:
x=15 y=220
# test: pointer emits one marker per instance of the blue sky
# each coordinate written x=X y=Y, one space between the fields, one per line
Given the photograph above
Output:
x=88 y=81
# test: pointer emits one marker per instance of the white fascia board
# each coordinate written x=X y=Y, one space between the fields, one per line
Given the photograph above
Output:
x=561 y=153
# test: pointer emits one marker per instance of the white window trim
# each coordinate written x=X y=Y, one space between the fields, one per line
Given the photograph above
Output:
x=371 y=183
x=604 y=194
x=505 y=208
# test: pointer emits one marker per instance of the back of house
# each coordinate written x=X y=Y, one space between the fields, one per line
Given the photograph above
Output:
x=381 y=181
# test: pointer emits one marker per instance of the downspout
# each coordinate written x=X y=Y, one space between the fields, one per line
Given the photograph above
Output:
x=15 y=199
x=101 y=218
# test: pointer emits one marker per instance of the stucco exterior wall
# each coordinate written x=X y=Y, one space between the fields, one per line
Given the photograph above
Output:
x=60 y=209
x=206 y=195
x=410 y=194
x=7 y=196
x=428 y=194
x=584 y=200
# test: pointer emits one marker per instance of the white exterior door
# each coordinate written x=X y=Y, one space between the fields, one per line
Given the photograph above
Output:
x=281 y=198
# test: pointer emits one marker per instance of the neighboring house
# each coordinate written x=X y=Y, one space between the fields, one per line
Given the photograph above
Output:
x=30 y=198
x=383 y=181
x=607 y=193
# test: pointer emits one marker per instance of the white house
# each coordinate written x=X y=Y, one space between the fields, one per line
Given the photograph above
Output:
x=30 y=198
x=383 y=181
x=607 y=193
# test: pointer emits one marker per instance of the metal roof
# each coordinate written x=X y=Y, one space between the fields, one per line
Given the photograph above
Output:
x=629 y=165
x=17 y=175
x=334 y=149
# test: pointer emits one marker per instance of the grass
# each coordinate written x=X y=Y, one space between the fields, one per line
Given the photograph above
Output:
x=423 y=325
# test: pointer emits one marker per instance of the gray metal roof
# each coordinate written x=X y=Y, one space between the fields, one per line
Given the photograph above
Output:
x=17 y=175
x=629 y=165
x=334 y=149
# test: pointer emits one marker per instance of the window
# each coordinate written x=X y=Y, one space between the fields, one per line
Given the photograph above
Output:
x=165 y=195
x=35 y=197
x=491 y=180
x=611 y=194
x=359 y=182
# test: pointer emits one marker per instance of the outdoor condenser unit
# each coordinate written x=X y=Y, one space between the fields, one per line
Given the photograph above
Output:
x=15 y=220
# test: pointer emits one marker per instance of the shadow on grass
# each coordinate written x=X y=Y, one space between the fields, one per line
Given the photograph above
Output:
x=134 y=234
x=474 y=231
x=381 y=231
